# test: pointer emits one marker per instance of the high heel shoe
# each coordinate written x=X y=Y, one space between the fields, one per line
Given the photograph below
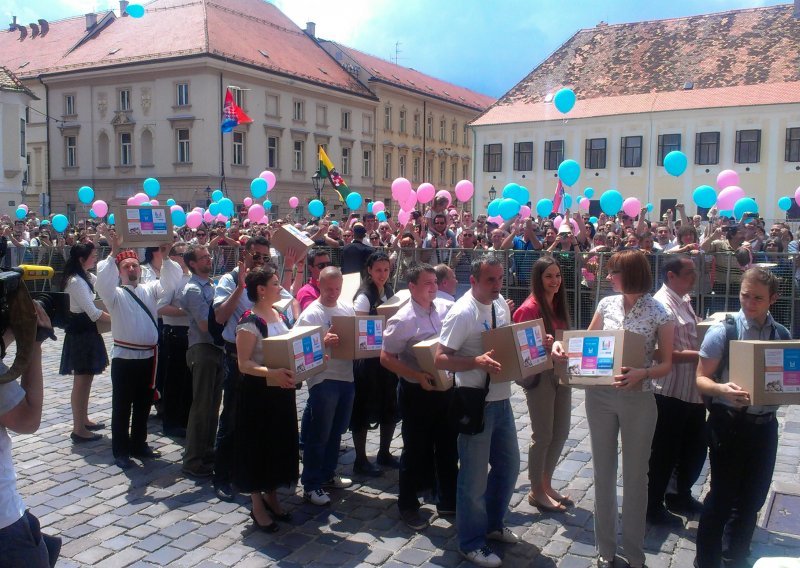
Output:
x=285 y=517
x=270 y=528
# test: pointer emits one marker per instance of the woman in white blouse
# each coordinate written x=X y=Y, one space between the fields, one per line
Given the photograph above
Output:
x=628 y=408
x=84 y=354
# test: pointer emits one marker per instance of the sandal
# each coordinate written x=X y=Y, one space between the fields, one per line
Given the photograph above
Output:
x=285 y=517
x=560 y=508
x=566 y=501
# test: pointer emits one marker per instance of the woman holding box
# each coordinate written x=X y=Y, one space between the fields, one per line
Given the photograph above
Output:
x=627 y=408
x=266 y=418
x=549 y=403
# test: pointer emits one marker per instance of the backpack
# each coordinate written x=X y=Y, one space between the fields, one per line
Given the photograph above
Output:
x=215 y=329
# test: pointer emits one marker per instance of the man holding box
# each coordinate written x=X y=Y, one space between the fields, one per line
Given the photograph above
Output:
x=743 y=438
x=482 y=498
x=330 y=396
x=430 y=453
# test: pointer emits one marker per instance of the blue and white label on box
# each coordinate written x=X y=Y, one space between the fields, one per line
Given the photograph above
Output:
x=591 y=356
x=531 y=346
x=370 y=334
x=308 y=353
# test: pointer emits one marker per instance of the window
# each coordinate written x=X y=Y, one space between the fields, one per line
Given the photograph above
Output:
x=417 y=125
x=22 y=137
x=272 y=152
x=748 y=146
x=71 y=151
x=429 y=128
x=492 y=157
x=238 y=97
x=125 y=99
x=345 y=161
x=415 y=169
x=387 y=118
x=553 y=154
x=466 y=140
x=346 y=120
x=366 y=123
x=26 y=175
x=184 y=157
x=367 y=164
x=125 y=149
x=429 y=170
x=442 y=128
x=299 y=110
x=322 y=115
x=595 y=153
x=793 y=144
x=238 y=148
x=403 y=114
x=630 y=154
x=523 y=156
x=272 y=105
x=667 y=143
x=442 y=167
x=298 y=163
x=182 y=94
x=401 y=162
x=69 y=105
x=454 y=133
x=465 y=171
x=706 y=148
x=453 y=173
x=387 y=166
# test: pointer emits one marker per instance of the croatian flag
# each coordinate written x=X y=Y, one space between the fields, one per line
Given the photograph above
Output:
x=558 y=199
x=232 y=115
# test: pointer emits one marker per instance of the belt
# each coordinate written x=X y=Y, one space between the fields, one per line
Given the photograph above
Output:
x=744 y=416
x=230 y=348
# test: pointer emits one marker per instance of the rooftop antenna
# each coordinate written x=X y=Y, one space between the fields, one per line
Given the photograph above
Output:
x=397 y=52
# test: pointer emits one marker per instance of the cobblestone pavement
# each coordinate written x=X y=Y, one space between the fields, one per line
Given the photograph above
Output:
x=153 y=516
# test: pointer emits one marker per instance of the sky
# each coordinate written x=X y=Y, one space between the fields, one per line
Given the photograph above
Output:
x=486 y=46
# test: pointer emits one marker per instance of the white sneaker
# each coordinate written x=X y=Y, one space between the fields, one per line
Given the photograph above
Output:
x=505 y=535
x=338 y=482
x=483 y=557
x=317 y=497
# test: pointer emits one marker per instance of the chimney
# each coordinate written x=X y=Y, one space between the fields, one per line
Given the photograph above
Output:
x=311 y=27
x=123 y=8
x=91 y=20
x=13 y=25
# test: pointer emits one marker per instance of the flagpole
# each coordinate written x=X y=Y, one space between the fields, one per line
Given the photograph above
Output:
x=221 y=143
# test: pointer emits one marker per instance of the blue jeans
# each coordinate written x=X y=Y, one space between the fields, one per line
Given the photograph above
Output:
x=329 y=406
x=482 y=501
x=23 y=544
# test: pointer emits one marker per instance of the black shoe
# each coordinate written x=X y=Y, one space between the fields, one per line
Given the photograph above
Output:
x=367 y=468
x=687 y=505
x=95 y=427
x=147 y=453
x=224 y=492
x=446 y=510
x=603 y=563
x=270 y=528
x=661 y=517
x=124 y=462
x=81 y=440
x=53 y=545
x=175 y=432
x=413 y=519
x=285 y=517
x=388 y=460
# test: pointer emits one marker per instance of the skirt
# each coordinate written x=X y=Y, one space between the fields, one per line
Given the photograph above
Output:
x=84 y=352
x=375 y=400
x=266 y=437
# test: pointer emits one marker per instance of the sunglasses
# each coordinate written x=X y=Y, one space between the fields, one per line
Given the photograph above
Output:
x=201 y=234
x=259 y=256
x=322 y=265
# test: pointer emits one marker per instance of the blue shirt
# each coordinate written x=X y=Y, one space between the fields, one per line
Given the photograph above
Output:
x=196 y=300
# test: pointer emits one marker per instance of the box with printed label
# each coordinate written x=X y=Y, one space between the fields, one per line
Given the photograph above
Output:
x=768 y=370
x=596 y=356
x=360 y=337
x=425 y=352
x=519 y=348
x=143 y=226
x=708 y=323
x=301 y=350
x=102 y=327
x=290 y=237
x=393 y=304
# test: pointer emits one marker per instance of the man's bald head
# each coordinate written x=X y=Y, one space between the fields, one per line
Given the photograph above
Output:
x=330 y=286
x=330 y=272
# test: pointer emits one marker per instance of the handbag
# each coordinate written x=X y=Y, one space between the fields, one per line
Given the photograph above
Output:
x=468 y=403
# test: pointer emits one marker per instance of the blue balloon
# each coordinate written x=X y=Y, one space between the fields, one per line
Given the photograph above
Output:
x=381 y=216
x=111 y=219
x=567 y=201
x=151 y=187
x=611 y=202
x=726 y=213
x=508 y=208
x=135 y=10
x=226 y=207
x=675 y=163
x=20 y=213
x=336 y=223
x=258 y=187
x=516 y=192
x=60 y=223
x=588 y=192
x=86 y=194
x=704 y=196
x=316 y=208
x=544 y=207
x=213 y=208
x=170 y=202
x=745 y=205
x=354 y=200
x=227 y=224
x=267 y=205
x=92 y=214
x=569 y=171
x=785 y=203
x=145 y=204
x=369 y=207
x=45 y=222
x=564 y=100
x=494 y=208
x=593 y=219
x=178 y=218
x=217 y=195
x=649 y=207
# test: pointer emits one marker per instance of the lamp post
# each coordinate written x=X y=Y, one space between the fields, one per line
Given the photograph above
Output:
x=492 y=194
x=208 y=195
x=318 y=182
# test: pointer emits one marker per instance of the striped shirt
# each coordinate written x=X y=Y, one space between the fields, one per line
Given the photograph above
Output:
x=680 y=383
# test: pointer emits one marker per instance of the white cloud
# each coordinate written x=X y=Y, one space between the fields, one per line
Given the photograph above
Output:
x=341 y=21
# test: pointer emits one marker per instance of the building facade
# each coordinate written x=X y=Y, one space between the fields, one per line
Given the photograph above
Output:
x=15 y=181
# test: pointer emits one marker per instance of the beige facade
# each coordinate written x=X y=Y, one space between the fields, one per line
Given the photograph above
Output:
x=15 y=180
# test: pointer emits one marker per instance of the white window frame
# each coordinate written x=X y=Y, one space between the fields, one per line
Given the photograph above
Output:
x=273 y=152
x=239 y=148
x=387 y=118
x=124 y=99
x=346 y=120
x=71 y=151
x=387 y=165
x=238 y=97
x=182 y=94
x=69 y=105
x=298 y=110
x=403 y=116
x=346 y=161
x=367 y=164
x=126 y=149
x=184 y=145
x=298 y=149
x=401 y=164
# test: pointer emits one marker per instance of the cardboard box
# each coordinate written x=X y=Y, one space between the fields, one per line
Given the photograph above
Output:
x=425 y=352
x=301 y=350
x=350 y=285
x=102 y=327
x=393 y=304
x=596 y=356
x=143 y=226
x=519 y=348
x=284 y=305
x=360 y=337
x=289 y=237
x=708 y=323
x=768 y=370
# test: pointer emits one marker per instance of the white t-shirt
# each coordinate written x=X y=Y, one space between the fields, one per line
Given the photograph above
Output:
x=11 y=506
x=317 y=314
x=462 y=329
x=361 y=303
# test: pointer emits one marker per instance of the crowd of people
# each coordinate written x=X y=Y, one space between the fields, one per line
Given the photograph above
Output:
x=191 y=344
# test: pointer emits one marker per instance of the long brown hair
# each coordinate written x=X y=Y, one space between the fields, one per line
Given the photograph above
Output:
x=556 y=310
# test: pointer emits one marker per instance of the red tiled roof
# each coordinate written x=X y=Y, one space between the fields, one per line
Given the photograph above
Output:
x=732 y=58
x=9 y=82
x=412 y=80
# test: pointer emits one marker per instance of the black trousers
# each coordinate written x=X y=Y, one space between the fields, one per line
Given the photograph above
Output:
x=225 y=451
x=742 y=456
x=430 y=450
x=177 y=387
x=131 y=397
x=679 y=448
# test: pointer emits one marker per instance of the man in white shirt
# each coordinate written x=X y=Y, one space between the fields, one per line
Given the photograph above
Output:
x=482 y=499
x=330 y=396
x=447 y=282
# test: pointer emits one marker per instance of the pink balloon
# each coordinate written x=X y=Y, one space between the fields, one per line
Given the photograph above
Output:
x=401 y=188
x=264 y=220
x=729 y=196
x=271 y=180
x=176 y=207
x=410 y=202
x=132 y=201
x=255 y=212
x=445 y=193
x=293 y=202
x=557 y=221
x=465 y=190
x=524 y=211
x=100 y=208
x=574 y=225
x=248 y=201
x=584 y=204
x=497 y=220
x=378 y=206
x=425 y=192
x=23 y=206
x=208 y=217
x=140 y=198
x=727 y=178
x=194 y=219
x=632 y=207
x=199 y=210
x=403 y=217
x=154 y=202
x=797 y=196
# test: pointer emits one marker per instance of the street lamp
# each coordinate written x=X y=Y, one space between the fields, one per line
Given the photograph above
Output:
x=492 y=194
x=318 y=182
x=208 y=195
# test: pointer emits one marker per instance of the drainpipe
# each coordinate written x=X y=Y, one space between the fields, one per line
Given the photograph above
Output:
x=48 y=202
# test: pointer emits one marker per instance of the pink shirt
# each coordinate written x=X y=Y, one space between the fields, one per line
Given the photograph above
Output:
x=308 y=294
